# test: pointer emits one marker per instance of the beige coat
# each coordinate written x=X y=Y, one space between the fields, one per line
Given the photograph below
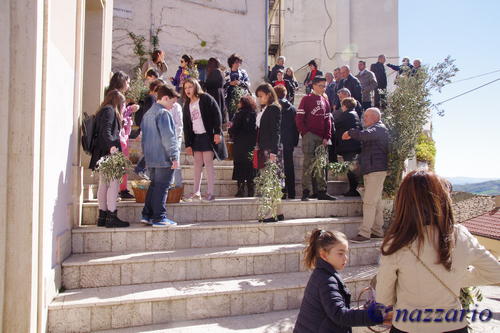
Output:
x=404 y=282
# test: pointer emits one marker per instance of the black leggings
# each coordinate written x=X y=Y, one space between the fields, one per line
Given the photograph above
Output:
x=460 y=330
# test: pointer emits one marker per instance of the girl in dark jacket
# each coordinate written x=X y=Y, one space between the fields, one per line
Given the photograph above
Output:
x=244 y=135
x=268 y=130
x=214 y=85
x=326 y=304
x=108 y=120
x=348 y=149
x=290 y=76
x=202 y=135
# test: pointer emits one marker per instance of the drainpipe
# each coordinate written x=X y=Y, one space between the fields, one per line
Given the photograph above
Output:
x=266 y=55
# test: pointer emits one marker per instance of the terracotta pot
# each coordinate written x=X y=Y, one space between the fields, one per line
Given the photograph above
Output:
x=175 y=194
x=140 y=194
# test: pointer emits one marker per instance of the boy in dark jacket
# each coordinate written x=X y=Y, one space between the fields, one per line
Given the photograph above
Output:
x=289 y=140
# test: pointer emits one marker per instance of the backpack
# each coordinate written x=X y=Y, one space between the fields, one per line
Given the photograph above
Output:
x=89 y=132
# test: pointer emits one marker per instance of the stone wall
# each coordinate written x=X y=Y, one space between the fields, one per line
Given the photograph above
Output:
x=202 y=29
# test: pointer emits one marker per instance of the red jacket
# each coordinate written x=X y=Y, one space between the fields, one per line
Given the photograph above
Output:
x=313 y=115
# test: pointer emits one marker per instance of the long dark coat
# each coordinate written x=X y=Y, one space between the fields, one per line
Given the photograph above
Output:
x=244 y=136
x=108 y=134
x=214 y=85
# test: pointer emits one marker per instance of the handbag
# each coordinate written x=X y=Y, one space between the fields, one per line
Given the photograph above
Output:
x=255 y=158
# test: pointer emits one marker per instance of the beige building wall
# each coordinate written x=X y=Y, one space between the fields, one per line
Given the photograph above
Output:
x=41 y=93
x=338 y=32
x=227 y=26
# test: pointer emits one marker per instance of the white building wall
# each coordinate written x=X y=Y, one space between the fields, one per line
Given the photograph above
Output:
x=227 y=26
x=338 y=32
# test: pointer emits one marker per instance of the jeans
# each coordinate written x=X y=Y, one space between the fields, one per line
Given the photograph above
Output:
x=155 y=206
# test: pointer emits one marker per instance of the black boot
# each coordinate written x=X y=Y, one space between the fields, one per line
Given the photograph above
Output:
x=353 y=184
x=305 y=195
x=241 y=189
x=250 y=188
x=322 y=195
x=125 y=194
x=101 y=220
x=112 y=221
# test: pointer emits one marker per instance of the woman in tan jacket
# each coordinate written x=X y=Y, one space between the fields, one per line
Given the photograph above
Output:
x=427 y=259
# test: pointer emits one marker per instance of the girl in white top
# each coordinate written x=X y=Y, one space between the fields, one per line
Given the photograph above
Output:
x=426 y=259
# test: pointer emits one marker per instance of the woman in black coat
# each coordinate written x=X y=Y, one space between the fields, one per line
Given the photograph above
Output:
x=214 y=85
x=348 y=149
x=108 y=125
x=268 y=130
x=244 y=135
x=202 y=135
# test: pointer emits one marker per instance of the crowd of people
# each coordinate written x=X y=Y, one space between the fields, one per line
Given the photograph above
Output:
x=340 y=111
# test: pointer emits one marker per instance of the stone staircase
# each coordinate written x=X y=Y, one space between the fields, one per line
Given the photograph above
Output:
x=219 y=270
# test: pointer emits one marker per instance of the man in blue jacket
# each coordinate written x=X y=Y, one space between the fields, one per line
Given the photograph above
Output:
x=373 y=161
x=161 y=153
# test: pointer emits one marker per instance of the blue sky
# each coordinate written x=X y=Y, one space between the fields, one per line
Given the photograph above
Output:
x=468 y=136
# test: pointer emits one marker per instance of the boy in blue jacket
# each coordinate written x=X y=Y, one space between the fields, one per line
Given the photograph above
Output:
x=161 y=153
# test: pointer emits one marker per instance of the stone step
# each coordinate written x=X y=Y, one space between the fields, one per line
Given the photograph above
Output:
x=140 y=237
x=112 y=269
x=271 y=322
x=231 y=209
x=85 y=310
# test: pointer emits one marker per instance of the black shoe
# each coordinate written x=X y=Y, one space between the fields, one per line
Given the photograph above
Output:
x=376 y=236
x=314 y=196
x=269 y=220
x=281 y=217
x=305 y=195
x=322 y=195
x=250 y=188
x=126 y=195
x=101 y=220
x=241 y=190
x=284 y=196
x=112 y=221
x=351 y=193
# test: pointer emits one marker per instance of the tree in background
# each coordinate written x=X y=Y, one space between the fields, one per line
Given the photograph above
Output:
x=409 y=108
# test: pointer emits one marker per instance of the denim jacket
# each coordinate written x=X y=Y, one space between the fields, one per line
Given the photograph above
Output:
x=159 y=140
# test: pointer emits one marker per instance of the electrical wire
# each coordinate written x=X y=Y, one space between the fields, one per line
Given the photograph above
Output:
x=476 y=76
x=468 y=91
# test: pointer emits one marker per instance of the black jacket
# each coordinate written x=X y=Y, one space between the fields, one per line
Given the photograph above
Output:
x=214 y=85
x=318 y=73
x=108 y=134
x=344 y=122
x=289 y=132
x=326 y=304
x=144 y=106
x=243 y=133
x=274 y=72
x=212 y=120
x=270 y=129
x=352 y=83
x=379 y=70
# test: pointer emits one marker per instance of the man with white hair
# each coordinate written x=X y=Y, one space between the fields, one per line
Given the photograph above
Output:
x=350 y=82
x=280 y=65
x=373 y=161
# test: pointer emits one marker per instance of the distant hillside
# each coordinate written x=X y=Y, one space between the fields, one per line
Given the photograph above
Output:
x=468 y=180
x=488 y=188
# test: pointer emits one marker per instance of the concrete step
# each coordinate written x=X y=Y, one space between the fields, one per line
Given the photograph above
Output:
x=231 y=209
x=124 y=268
x=271 y=322
x=85 y=310
x=140 y=237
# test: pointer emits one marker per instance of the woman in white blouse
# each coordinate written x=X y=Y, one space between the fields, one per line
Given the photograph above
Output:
x=427 y=259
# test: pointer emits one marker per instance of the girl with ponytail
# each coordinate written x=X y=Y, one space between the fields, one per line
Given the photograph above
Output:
x=326 y=303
